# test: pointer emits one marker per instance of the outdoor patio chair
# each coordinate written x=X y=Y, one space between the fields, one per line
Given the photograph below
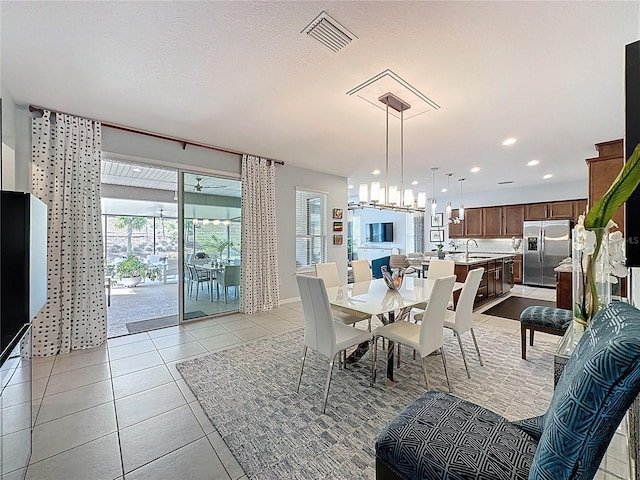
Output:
x=197 y=277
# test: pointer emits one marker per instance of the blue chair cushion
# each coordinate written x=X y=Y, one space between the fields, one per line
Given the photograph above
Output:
x=442 y=436
x=549 y=317
x=533 y=426
x=599 y=382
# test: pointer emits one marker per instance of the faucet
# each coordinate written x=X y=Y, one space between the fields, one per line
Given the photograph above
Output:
x=466 y=256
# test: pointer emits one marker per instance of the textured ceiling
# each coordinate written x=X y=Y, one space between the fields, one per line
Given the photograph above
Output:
x=240 y=75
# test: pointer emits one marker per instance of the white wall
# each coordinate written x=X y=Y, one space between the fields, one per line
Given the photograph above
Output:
x=287 y=179
x=399 y=220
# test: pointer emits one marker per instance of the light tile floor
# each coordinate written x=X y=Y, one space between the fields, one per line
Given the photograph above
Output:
x=122 y=411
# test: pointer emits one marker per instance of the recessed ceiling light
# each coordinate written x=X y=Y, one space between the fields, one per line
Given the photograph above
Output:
x=137 y=169
x=475 y=169
x=415 y=182
x=444 y=190
x=509 y=141
x=376 y=172
x=548 y=175
x=532 y=163
x=351 y=186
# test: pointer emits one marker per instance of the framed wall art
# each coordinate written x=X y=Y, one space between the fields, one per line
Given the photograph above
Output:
x=337 y=239
x=337 y=213
x=337 y=226
x=436 y=235
x=437 y=220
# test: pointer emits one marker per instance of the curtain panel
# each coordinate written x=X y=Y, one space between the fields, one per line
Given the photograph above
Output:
x=66 y=177
x=259 y=289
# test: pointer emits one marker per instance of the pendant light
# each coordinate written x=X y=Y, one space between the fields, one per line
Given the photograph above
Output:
x=385 y=196
x=434 y=202
x=461 y=209
x=448 y=196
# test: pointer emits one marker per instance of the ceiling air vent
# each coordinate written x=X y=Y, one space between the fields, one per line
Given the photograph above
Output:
x=329 y=32
x=506 y=182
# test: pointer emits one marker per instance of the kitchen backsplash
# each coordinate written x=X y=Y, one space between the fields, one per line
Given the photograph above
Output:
x=487 y=245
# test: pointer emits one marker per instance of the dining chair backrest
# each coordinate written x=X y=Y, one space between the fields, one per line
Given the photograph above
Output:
x=377 y=264
x=464 y=308
x=398 y=261
x=431 y=328
x=231 y=276
x=361 y=270
x=440 y=268
x=329 y=273
x=319 y=329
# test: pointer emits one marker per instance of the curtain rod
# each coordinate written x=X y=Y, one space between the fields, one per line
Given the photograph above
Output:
x=184 y=143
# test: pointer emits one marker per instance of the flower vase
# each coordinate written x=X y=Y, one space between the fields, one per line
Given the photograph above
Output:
x=590 y=275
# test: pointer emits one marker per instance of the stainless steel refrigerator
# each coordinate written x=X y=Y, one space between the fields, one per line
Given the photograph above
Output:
x=546 y=243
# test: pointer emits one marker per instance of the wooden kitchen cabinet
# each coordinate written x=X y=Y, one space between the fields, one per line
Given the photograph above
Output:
x=456 y=230
x=560 y=210
x=517 y=270
x=564 y=290
x=492 y=222
x=513 y=218
x=536 y=211
x=603 y=170
x=473 y=222
x=579 y=208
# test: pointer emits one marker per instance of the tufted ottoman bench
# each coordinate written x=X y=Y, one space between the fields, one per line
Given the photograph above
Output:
x=543 y=319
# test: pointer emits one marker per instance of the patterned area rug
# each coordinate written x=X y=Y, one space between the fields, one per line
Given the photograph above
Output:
x=249 y=395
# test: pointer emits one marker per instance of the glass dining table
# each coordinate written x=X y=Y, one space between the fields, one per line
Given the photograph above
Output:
x=376 y=299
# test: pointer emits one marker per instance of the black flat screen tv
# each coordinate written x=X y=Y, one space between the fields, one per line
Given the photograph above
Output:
x=380 y=232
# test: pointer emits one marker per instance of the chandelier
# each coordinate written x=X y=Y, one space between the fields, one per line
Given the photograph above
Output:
x=390 y=197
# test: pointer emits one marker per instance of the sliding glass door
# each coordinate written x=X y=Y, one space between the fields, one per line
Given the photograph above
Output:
x=211 y=208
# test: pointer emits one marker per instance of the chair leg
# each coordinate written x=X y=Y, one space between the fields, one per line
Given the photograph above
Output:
x=304 y=355
x=523 y=341
x=464 y=358
x=424 y=372
x=197 y=290
x=398 y=361
x=475 y=342
x=444 y=364
x=531 y=330
x=373 y=361
x=326 y=389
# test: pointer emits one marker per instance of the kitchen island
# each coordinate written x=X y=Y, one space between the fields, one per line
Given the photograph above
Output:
x=497 y=279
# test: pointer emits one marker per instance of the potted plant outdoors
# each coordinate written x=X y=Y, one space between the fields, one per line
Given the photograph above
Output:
x=219 y=246
x=132 y=270
x=200 y=258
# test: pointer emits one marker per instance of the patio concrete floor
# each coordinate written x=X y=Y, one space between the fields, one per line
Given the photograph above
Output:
x=153 y=299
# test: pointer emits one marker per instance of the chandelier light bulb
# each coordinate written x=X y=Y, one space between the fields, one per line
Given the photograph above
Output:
x=408 y=197
x=393 y=195
x=461 y=212
x=363 y=193
x=449 y=209
x=375 y=192
x=422 y=200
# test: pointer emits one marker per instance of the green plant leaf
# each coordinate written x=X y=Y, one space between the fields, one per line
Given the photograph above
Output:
x=618 y=193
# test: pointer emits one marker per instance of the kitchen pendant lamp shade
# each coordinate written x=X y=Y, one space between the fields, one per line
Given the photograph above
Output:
x=434 y=201
x=461 y=209
x=434 y=207
x=375 y=192
x=363 y=193
x=422 y=200
x=449 y=209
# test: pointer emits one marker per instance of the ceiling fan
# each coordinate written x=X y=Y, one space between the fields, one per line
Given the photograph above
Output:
x=198 y=187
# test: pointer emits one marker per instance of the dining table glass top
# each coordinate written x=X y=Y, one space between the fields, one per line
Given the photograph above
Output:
x=374 y=297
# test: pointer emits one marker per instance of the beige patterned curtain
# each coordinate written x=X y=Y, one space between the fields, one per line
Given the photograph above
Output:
x=66 y=177
x=259 y=289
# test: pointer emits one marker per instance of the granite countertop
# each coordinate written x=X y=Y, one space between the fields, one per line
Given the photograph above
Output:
x=564 y=267
x=475 y=258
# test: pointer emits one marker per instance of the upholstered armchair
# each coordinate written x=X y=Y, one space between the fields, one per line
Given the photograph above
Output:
x=440 y=436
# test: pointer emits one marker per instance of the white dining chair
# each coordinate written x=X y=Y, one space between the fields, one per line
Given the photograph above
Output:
x=440 y=268
x=361 y=270
x=461 y=320
x=321 y=332
x=328 y=272
x=426 y=337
